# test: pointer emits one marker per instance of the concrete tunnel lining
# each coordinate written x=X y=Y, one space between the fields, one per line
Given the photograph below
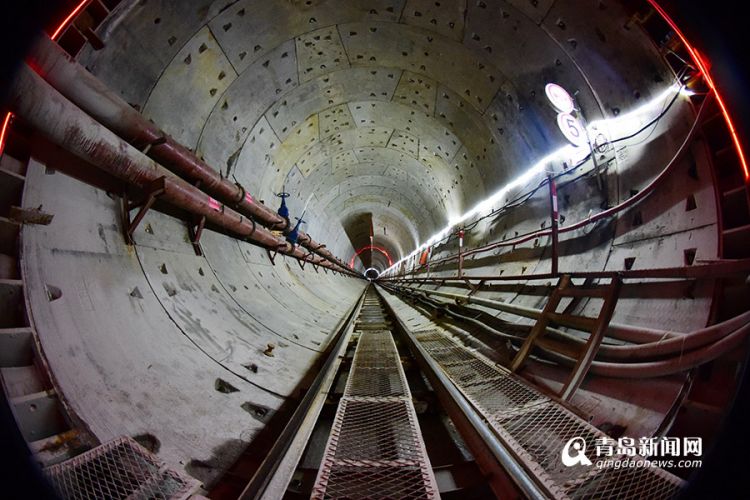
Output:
x=356 y=108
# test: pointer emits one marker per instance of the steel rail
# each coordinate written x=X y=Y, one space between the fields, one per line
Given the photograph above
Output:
x=96 y=99
x=305 y=413
x=64 y=124
x=522 y=479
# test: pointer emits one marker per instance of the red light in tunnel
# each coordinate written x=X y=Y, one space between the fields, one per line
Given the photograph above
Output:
x=4 y=131
x=703 y=67
x=67 y=20
x=375 y=248
x=55 y=34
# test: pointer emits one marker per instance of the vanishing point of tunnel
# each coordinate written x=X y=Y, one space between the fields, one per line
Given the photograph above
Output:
x=370 y=249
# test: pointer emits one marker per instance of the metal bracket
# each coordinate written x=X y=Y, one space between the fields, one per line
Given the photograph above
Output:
x=473 y=288
x=156 y=142
x=304 y=260
x=155 y=189
x=195 y=231
x=272 y=256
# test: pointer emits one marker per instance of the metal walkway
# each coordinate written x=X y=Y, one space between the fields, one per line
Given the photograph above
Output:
x=375 y=448
x=536 y=428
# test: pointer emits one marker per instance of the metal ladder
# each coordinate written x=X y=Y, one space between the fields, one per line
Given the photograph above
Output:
x=596 y=327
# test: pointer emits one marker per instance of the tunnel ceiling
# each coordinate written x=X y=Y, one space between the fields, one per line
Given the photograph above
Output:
x=399 y=114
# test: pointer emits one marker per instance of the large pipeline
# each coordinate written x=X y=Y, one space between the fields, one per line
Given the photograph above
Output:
x=648 y=342
x=87 y=92
x=682 y=351
x=615 y=330
x=66 y=125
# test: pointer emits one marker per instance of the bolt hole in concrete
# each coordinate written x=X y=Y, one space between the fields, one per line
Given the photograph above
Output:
x=171 y=291
x=32 y=407
x=53 y=292
x=690 y=256
x=224 y=387
x=148 y=441
x=257 y=411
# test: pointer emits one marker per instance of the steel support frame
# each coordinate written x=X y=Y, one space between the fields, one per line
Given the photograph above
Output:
x=708 y=270
x=155 y=190
x=609 y=212
x=609 y=292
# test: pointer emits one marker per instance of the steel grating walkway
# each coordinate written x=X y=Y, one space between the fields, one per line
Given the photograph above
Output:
x=536 y=428
x=375 y=449
x=120 y=468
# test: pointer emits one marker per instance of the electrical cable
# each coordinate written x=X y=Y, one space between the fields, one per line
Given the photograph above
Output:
x=523 y=198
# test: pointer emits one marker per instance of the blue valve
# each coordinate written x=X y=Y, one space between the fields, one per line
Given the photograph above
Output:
x=283 y=211
x=294 y=233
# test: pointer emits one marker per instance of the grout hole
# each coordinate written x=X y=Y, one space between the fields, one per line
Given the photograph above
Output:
x=689 y=256
x=224 y=387
x=690 y=203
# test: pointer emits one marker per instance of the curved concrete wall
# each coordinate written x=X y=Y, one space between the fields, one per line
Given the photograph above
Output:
x=141 y=338
x=390 y=116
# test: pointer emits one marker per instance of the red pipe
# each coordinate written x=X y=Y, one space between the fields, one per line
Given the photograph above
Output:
x=554 y=217
x=64 y=124
x=105 y=106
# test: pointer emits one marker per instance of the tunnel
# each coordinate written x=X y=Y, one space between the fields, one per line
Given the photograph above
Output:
x=372 y=249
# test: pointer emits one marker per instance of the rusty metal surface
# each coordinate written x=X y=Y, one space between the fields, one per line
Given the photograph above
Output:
x=120 y=468
x=463 y=155
x=73 y=81
x=39 y=104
